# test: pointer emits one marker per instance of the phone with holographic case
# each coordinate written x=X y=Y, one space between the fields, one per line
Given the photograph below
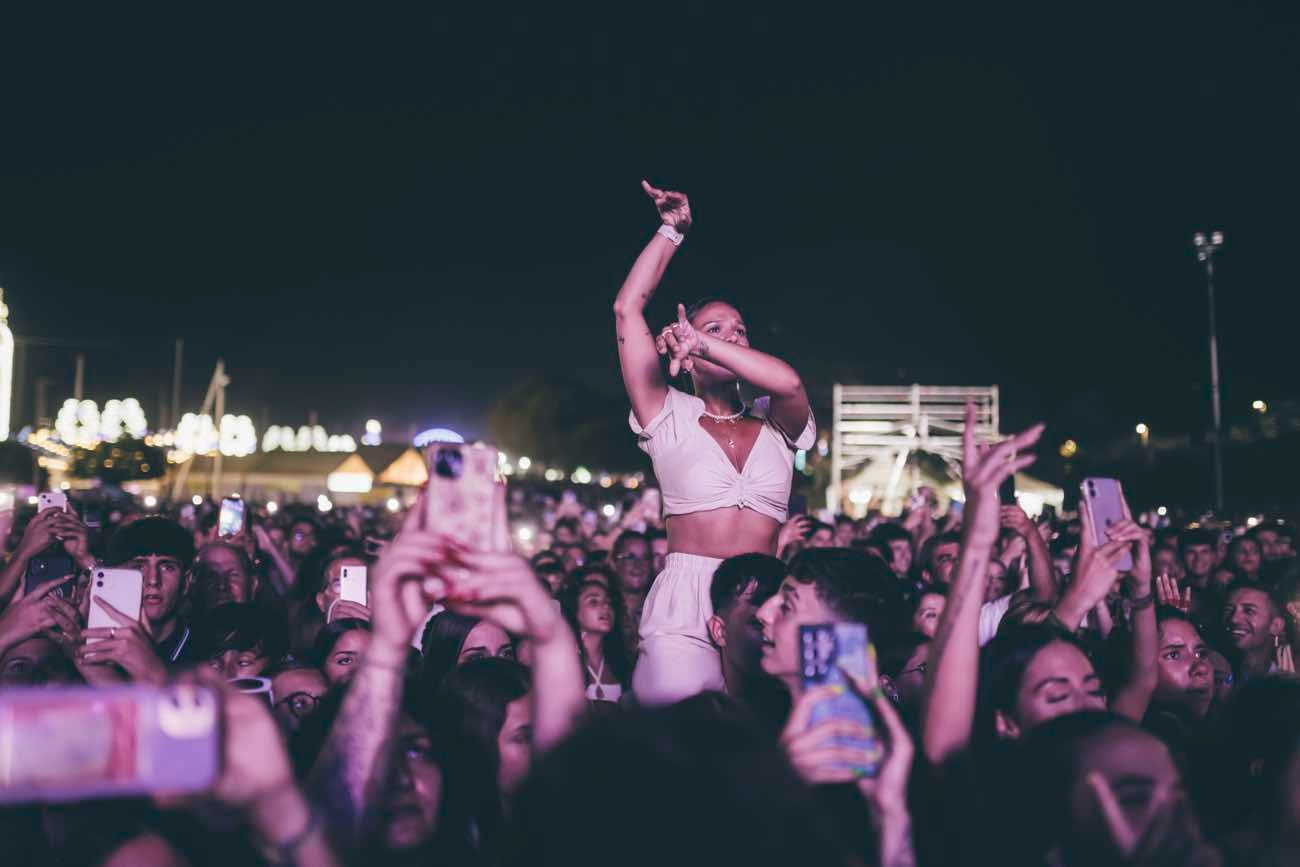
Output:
x=465 y=499
x=826 y=651
x=75 y=743
x=1104 y=500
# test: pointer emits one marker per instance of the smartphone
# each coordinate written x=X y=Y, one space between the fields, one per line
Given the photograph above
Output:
x=50 y=565
x=1007 y=491
x=826 y=649
x=75 y=743
x=51 y=500
x=798 y=504
x=352 y=584
x=1104 y=500
x=92 y=517
x=230 y=522
x=121 y=588
x=463 y=499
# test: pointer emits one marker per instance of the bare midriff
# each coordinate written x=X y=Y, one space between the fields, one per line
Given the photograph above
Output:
x=722 y=533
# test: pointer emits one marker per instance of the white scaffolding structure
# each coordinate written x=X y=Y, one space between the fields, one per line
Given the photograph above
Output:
x=888 y=423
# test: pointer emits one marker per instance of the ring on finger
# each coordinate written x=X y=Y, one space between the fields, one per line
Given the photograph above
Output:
x=112 y=632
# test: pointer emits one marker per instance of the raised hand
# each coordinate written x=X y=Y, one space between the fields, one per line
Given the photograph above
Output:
x=343 y=609
x=500 y=588
x=127 y=644
x=984 y=468
x=674 y=208
x=1284 y=658
x=679 y=341
x=795 y=529
x=31 y=615
x=813 y=751
x=1167 y=594
x=404 y=585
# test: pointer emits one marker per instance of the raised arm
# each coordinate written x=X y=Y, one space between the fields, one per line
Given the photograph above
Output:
x=1134 y=695
x=642 y=376
x=766 y=373
x=354 y=762
x=1042 y=574
x=951 y=681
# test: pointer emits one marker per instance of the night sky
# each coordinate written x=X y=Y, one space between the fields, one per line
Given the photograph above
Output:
x=397 y=216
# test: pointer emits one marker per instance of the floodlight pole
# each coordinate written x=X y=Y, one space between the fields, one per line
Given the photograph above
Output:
x=1205 y=250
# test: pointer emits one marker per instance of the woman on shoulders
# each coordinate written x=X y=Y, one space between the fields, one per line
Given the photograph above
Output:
x=724 y=467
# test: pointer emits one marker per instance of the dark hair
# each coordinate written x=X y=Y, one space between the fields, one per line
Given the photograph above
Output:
x=329 y=635
x=1257 y=738
x=1235 y=544
x=238 y=626
x=154 y=535
x=697 y=767
x=568 y=523
x=894 y=655
x=627 y=536
x=856 y=586
x=1003 y=663
x=734 y=575
x=883 y=534
x=693 y=309
x=653 y=534
x=1045 y=770
x=923 y=591
x=1188 y=538
x=465 y=721
x=616 y=655
x=441 y=643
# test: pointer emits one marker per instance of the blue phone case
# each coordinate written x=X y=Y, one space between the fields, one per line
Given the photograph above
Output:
x=825 y=649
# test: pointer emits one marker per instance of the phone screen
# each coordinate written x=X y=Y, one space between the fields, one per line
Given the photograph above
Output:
x=231 y=520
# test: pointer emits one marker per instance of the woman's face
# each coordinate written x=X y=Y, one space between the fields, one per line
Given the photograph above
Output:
x=1059 y=680
x=595 y=614
x=1246 y=556
x=720 y=321
x=1223 y=677
x=1185 y=678
x=909 y=686
x=515 y=745
x=409 y=810
x=1136 y=765
x=486 y=640
x=926 y=618
x=347 y=654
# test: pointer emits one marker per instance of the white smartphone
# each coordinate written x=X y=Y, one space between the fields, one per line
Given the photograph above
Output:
x=121 y=588
x=1104 y=500
x=231 y=520
x=352 y=584
x=51 y=500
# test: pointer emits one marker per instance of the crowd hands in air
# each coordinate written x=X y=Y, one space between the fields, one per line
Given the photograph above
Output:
x=1029 y=702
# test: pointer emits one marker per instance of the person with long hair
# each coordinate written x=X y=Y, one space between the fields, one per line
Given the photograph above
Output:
x=595 y=616
x=724 y=466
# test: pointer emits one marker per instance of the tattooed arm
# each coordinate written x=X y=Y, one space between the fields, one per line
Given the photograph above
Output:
x=353 y=765
x=951 y=682
x=637 y=356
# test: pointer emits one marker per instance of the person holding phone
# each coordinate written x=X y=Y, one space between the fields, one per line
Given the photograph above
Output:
x=724 y=466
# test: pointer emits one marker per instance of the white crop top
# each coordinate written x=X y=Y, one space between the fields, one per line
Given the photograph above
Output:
x=696 y=475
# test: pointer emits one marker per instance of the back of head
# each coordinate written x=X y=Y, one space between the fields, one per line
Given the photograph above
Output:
x=236 y=626
x=695 y=783
x=856 y=586
x=155 y=535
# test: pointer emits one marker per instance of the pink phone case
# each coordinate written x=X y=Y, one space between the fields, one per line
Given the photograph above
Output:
x=73 y=743
x=121 y=588
x=465 y=500
x=1104 y=500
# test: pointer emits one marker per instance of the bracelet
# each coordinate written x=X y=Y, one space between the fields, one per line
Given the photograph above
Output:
x=671 y=234
x=1142 y=602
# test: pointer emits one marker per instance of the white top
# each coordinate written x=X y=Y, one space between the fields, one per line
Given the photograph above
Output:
x=696 y=475
x=991 y=614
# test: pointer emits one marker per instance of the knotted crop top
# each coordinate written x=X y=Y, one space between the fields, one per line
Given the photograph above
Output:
x=696 y=475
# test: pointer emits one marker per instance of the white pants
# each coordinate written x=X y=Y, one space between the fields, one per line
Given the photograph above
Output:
x=677 y=659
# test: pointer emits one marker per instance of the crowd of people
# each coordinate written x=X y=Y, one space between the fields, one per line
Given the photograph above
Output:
x=630 y=689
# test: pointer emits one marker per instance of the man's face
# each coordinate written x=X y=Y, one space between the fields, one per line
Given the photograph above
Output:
x=659 y=554
x=1164 y=561
x=843 y=534
x=221 y=577
x=302 y=539
x=900 y=551
x=1269 y=545
x=633 y=564
x=999 y=585
x=1185 y=678
x=943 y=559
x=743 y=645
x=164 y=585
x=1199 y=560
x=1249 y=619
x=909 y=686
x=792 y=606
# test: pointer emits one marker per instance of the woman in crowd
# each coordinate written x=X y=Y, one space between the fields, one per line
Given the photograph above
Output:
x=724 y=466
x=340 y=648
x=596 y=620
x=450 y=640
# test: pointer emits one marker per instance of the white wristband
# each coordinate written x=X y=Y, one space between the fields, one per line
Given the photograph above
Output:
x=671 y=234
